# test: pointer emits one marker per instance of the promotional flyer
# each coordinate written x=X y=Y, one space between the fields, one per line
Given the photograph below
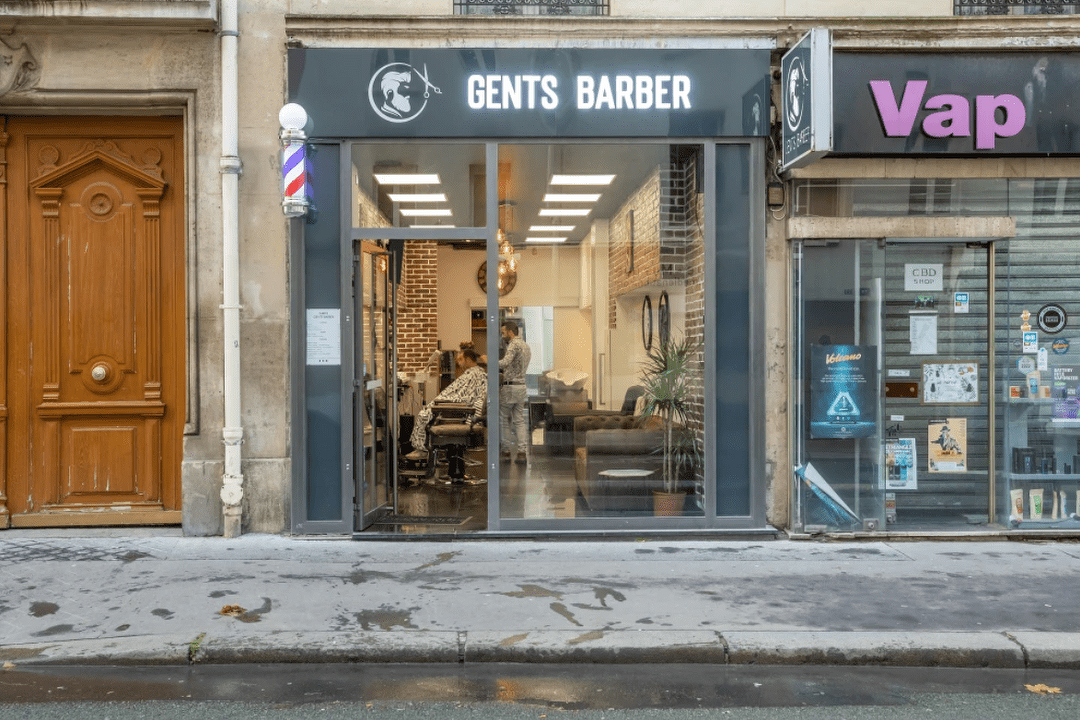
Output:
x=844 y=391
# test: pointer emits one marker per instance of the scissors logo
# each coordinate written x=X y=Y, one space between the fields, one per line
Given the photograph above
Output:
x=398 y=92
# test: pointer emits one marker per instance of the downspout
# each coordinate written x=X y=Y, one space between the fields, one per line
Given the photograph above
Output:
x=232 y=487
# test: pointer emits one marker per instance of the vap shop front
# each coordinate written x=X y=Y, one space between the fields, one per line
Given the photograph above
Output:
x=935 y=298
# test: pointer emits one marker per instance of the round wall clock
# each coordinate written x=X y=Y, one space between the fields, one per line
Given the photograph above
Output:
x=509 y=278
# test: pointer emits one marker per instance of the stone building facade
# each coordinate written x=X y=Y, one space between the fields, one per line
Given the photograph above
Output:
x=74 y=65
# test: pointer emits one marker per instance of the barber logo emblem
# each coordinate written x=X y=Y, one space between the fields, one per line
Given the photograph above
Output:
x=398 y=92
x=796 y=90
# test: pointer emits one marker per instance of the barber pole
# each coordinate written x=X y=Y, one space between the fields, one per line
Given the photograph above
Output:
x=293 y=161
x=292 y=170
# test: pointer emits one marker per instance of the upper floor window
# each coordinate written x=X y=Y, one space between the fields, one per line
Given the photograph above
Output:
x=1015 y=7
x=532 y=7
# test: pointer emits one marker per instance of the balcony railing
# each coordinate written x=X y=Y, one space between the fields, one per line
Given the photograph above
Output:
x=531 y=7
x=1015 y=7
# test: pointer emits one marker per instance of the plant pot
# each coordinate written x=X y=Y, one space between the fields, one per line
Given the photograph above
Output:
x=667 y=504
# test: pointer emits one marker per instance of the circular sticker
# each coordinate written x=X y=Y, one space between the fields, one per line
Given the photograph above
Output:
x=1025 y=364
x=1060 y=346
x=1052 y=318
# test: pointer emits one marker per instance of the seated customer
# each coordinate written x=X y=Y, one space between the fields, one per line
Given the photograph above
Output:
x=470 y=388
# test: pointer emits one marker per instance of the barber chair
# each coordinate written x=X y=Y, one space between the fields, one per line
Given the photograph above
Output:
x=450 y=436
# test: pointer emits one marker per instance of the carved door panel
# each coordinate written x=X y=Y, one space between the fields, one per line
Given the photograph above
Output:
x=95 y=320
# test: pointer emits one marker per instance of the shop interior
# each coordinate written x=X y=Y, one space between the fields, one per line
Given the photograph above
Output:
x=600 y=267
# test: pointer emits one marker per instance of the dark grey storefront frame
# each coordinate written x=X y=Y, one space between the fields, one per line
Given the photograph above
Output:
x=313 y=468
x=323 y=476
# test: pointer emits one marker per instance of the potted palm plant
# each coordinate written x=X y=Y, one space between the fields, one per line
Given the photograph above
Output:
x=667 y=375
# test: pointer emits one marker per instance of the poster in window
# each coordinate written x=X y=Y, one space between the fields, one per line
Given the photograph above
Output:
x=922 y=333
x=901 y=464
x=843 y=394
x=947 y=445
x=955 y=383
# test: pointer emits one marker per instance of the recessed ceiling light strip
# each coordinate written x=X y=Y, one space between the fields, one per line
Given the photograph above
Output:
x=426 y=212
x=582 y=179
x=564 y=212
x=572 y=197
x=407 y=179
x=418 y=197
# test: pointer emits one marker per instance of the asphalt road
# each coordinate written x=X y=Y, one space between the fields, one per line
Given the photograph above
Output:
x=588 y=692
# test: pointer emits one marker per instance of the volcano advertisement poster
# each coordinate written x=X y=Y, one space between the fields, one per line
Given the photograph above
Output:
x=843 y=392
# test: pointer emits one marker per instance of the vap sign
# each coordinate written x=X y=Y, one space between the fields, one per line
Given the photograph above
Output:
x=961 y=103
x=947 y=114
x=923 y=276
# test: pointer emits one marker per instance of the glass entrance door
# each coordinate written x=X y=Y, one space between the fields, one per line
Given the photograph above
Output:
x=839 y=311
x=938 y=435
x=373 y=398
x=896 y=416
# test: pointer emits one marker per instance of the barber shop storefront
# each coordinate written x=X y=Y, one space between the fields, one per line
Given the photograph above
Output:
x=529 y=287
x=935 y=297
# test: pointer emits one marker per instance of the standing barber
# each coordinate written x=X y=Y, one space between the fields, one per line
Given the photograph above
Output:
x=513 y=428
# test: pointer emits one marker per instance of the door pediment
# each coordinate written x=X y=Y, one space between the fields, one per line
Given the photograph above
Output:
x=96 y=155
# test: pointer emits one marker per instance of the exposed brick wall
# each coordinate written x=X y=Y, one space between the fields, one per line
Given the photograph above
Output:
x=645 y=203
x=664 y=230
x=669 y=251
x=695 y=326
x=418 y=305
x=370 y=215
x=417 y=296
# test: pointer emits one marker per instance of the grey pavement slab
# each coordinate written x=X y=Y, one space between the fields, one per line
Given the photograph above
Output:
x=271 y=598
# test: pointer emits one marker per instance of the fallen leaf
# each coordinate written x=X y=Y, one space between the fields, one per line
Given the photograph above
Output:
x=1042 y=689
x=8 y=665
x=233 y=610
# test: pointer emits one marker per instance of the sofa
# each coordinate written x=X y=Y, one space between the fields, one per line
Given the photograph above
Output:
x=559 y=435
x=618 y=442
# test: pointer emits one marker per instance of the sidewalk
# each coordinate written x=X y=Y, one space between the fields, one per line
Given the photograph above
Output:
x=151 y=596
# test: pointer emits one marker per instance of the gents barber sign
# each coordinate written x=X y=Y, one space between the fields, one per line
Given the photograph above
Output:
x=976 y=104
x=806 y=92
x=350 y=92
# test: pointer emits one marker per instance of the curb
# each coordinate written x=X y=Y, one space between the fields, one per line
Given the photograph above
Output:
x=140 y=650
x=402 y=646
x=922 y=649
x=596 y=646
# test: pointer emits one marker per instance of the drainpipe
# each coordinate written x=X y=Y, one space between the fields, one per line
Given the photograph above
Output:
x=232 y=487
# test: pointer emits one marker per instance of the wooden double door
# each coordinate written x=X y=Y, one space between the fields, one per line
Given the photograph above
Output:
x=92 y=392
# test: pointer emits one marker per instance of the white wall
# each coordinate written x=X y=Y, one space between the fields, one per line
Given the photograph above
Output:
x=547 y=275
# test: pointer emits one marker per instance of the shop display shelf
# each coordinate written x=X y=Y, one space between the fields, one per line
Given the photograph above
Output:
x=1043 y=477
